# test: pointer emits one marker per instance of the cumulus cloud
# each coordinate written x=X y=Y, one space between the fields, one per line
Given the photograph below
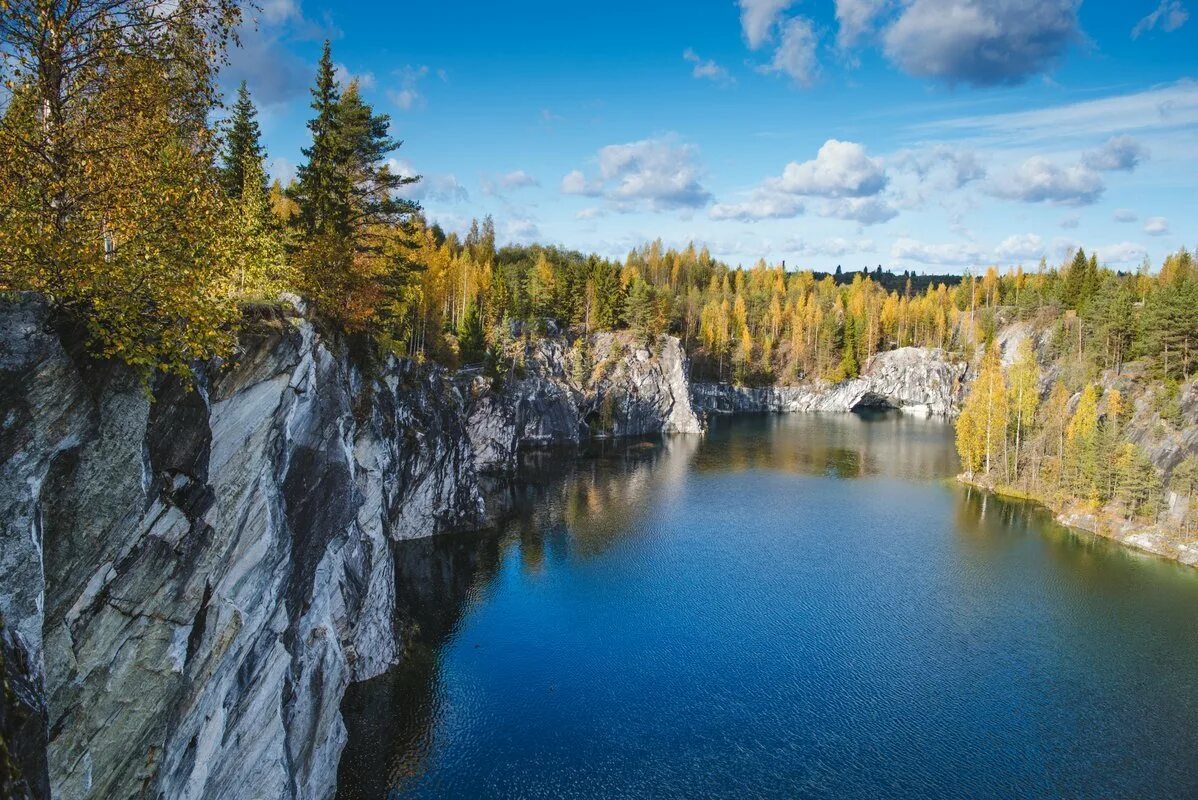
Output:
x=522 y=230
x=758 y=18
x=497 y=185
x=1168 y=16
x=1039 y=180
x=1156 y=226
x=1021 y=247
x=856 y=18
x=908 y=249
x=1118 y=153
x=839 y=169
x=574 y=182
x=834 y=247
x=660 y=173
x=865 y=210
x=981 y=42
x=707 y=69
x=344 y=77
x=1070 y=222
x=590 y=213
x=949 y=167
x=430 y=188
x=762 y=205
x=795 y=54
x=1122 y=253
x=1125 y=215
x=407 y=94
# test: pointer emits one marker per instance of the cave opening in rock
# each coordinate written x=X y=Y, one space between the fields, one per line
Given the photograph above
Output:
x=871 y=401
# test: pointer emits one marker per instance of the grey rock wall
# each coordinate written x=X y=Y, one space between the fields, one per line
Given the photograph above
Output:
x=915 y=380
x=195 y=573
x=606 y=384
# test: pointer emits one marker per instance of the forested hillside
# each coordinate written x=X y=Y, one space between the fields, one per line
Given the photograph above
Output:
x=1095 y=405
x=153 y=227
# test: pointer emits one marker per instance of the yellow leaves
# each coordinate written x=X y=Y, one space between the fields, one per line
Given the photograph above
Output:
x=1084 y=422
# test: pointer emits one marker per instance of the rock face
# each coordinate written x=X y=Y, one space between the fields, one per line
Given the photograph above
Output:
x=915 y=380
x=193 y=578
x=605 y=384
x=195 y=571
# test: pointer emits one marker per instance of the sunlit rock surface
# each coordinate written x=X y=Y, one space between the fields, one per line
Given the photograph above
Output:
x=915 y=380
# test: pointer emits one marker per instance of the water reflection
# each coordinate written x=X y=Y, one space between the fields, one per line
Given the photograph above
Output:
x=564 y=504
x=800 y=600
x=884 y=443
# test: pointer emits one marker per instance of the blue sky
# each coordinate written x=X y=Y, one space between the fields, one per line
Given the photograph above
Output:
x=933 y=135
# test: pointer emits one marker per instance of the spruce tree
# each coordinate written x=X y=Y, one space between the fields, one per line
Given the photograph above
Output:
x=243 y=144
x=320 y=191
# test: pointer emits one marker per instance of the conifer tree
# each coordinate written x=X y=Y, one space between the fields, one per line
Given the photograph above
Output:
x=243 y=145
x=472 y=343
x=320 y=189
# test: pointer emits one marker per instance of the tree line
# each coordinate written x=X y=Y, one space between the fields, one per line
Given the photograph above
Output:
x=122 y=203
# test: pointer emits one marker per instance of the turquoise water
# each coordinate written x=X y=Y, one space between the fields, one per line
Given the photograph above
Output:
x=789 y=607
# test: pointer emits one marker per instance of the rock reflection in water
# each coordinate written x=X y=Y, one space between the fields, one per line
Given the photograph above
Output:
x=881 y=443
x=788 y=607
x=564 y=503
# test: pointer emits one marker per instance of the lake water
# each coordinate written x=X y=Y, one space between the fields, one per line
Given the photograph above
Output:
x=792 y=607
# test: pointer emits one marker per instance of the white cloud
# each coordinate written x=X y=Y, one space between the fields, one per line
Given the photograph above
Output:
x=659 y=173
x=1122 y=253
x=834 y=247
x=959 y=255
x=274 y=12
x=840 y=169
x=407 y=95
x=1038 y=180
x=795 y=55
x=707 y=69
x=343 y=77
x=1168 y=16
x=865 y=210
x=522 y=230
x=590 y=213
x=497 y=185
x=1156 y=226
x=948 y=167
x=1070 y=221
x=1021 y=247
x=430 y=188
x=1118 y=153
x=1172 y=107
x=981 y=42
x=856 y=18
x=574 y=182
x=762 y=205
x=1125 y=215
x=758 y=18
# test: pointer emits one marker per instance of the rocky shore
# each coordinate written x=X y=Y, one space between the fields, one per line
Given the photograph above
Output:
x=195 y=571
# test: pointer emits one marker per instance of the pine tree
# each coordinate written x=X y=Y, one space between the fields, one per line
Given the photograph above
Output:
x=243 y=145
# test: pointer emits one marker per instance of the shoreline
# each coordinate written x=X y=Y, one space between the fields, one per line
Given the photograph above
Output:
x=1151 y=538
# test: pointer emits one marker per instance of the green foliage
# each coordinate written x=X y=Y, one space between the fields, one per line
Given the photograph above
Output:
x=472 y=344
x=243 y=146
